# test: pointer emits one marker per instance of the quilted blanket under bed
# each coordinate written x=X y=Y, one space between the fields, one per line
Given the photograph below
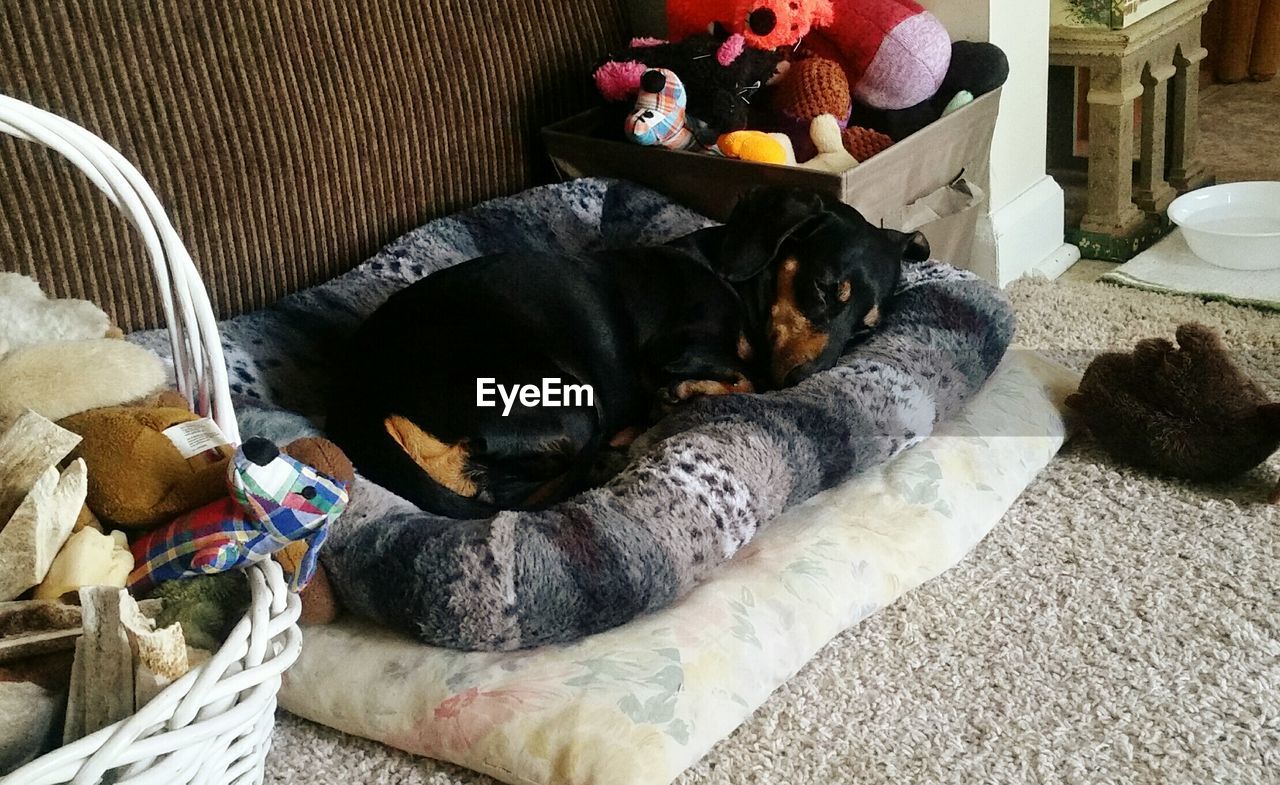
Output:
x=698 y=486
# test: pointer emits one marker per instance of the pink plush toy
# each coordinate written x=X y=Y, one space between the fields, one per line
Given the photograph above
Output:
x=895 y=53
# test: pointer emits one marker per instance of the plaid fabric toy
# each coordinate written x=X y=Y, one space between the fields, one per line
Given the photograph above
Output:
x=659 y=117
x=274 y=501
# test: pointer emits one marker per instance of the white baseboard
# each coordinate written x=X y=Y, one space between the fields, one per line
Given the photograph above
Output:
x=1057 y=263
x=1024 y=237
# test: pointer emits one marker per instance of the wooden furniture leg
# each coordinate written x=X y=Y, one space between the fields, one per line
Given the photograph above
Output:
x=1240 y=19
x=1264 y=62
x=1211 y=28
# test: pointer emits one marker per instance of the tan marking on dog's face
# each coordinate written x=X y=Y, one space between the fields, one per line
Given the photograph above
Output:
x=444 y=463
x=745 y=350
x=873 y=316
x=795 y=341
x=846 y=291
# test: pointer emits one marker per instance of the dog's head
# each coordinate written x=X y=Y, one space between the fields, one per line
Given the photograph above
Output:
x=813 y=273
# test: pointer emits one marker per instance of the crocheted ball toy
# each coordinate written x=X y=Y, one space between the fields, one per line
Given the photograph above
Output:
x=812 y=87
x=862 y=143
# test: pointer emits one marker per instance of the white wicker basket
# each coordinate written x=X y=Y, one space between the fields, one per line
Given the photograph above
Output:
x=214 y=724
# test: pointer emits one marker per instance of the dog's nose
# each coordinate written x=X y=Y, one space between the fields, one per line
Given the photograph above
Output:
x=762 y=21
x=259 y=450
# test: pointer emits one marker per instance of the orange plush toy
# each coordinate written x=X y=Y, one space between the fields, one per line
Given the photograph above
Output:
x=763 y=23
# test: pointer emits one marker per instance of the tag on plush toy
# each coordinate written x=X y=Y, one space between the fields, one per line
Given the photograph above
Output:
x=200 y=437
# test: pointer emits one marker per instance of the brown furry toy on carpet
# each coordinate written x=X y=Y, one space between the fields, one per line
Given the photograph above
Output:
x=1185 y=410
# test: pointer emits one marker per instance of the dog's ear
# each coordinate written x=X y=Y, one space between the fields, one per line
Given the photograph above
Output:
x=760 y=223
x=915 y=246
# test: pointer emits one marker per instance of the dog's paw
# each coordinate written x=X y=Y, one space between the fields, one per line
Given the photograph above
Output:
x=687 y=389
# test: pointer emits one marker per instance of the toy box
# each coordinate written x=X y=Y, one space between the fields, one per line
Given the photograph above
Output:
x=946 y=166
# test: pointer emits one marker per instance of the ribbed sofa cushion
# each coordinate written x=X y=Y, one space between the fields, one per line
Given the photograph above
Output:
x=291 y=139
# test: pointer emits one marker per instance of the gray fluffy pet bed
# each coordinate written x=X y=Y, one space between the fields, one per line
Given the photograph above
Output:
x=698 y=486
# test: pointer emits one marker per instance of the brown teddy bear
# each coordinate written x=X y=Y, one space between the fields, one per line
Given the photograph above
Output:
x=145 y=466
x=143 y=472
x=1187 y=410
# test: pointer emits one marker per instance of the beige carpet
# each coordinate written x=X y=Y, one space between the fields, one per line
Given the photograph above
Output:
x=1238 y=132
x=1114 y=628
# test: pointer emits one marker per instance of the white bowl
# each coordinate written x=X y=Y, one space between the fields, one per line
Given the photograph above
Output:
x=1234 y=225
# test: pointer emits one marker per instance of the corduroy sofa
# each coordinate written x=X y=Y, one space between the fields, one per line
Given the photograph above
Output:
x=290 y=139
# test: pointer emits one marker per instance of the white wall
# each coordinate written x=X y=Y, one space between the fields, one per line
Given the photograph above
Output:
x=964 y=19
x=1021 y=29
x=1024 y=228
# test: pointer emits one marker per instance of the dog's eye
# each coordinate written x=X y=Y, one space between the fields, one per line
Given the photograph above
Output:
x=832 y=292
x=308 y=492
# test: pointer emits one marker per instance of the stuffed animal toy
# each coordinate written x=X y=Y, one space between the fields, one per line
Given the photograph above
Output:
x=811 y=87
x=1187 y=410
x=976 y=69
x=274 y=501
x=88 y=558
x=319 y=605
x=758 y=146
x=29 y=318
x=764 y=24
x=831 y=157
x=206 y=607
x=658 y=119
x=148 y=465
x=720 y=77
x=62 y=378
x=894 y=52
x=56 y=357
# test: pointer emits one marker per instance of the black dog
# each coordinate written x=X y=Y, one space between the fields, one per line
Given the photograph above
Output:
x=765 y=300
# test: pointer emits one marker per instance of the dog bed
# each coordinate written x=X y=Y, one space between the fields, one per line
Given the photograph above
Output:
x=699 y=486
x=638 y=704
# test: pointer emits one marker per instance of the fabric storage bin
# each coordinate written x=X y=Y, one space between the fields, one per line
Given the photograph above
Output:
x=881 y=188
